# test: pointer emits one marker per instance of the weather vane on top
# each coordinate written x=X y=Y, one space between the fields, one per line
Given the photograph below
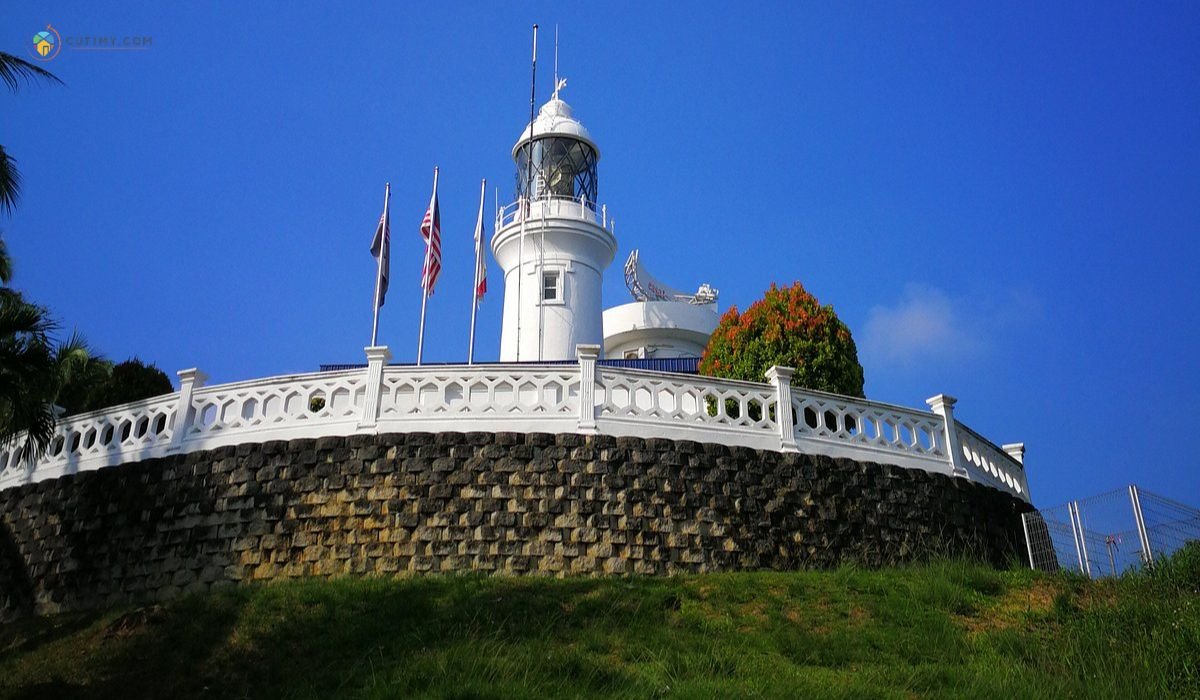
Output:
x=558 y=84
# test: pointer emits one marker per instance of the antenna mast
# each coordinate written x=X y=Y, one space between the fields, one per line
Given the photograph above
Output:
x=542 y=240
x=528 y=191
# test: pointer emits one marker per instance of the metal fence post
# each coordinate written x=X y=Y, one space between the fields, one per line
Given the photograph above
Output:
x=781 y=377
x=189 y=381
x=1085 y=563
x=587 y=355
x=1136 y=499
x=1075 y=535
x=377 y=357
x=1028 y=542
x=1087 y=559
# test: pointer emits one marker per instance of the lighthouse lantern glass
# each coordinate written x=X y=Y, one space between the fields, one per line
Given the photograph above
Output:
x=562 y=168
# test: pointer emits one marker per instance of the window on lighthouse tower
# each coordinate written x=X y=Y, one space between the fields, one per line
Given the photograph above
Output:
x=552 y=286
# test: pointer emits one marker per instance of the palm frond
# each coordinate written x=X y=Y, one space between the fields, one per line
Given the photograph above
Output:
x=27 y=380
x=78 y=362
x=14 y=71
x=10 y=182
x=33 y=421
x=19 y=319
x=6 y=265
x=73 y=352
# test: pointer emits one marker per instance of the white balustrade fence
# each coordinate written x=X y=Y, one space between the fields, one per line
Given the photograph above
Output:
x=644 y=404
x=279 y=408
x=865 y=430
x=517 y=398
x=584 y=398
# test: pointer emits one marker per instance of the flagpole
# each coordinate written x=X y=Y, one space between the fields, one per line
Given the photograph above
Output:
x=387 y=193
x=528 y=193
x=478 y=257
x=425 y=268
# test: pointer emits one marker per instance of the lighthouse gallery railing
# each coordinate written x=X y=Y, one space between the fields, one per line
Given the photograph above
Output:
x=582 y=397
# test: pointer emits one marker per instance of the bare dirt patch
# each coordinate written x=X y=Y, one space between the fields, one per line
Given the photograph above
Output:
x=1012 y=608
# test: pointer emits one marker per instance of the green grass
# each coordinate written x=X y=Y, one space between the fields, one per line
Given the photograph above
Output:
x=950 y=629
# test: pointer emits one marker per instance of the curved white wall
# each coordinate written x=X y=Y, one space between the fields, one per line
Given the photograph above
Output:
x=565 y=240
x=659 y=328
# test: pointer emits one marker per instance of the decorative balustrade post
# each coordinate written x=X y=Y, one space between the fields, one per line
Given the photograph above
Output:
x=377 y=357
x=781 y=377
x=189 y=381
x=587 y=354
x=943 y=405
x=1016 y=450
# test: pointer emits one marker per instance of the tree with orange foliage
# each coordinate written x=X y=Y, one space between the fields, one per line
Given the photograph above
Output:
x=790 y=328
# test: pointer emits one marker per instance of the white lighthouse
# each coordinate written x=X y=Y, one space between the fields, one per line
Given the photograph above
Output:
x=553 y=243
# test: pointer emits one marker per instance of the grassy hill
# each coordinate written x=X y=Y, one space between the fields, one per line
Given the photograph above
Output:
x=948 y=629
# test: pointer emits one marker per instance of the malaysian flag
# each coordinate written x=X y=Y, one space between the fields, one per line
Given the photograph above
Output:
x=480 y=264
x=431 y=231
x=381 y=248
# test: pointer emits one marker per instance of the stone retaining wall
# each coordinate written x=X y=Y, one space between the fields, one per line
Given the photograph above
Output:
x=505 y=503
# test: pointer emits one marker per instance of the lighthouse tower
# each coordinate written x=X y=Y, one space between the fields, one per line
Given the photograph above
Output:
x=553 y=242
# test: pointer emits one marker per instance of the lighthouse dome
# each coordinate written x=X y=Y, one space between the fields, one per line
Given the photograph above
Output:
x=556 y=118
x=559 y=160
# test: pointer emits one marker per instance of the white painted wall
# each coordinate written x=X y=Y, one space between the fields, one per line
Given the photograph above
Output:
x=661 y=328
x=563 y=236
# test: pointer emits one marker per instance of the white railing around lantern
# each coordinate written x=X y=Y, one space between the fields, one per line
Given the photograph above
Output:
x=582 y=397
x=551 y=207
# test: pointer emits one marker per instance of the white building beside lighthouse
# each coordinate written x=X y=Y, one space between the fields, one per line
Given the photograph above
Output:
x=555 y=242
x=660 y=322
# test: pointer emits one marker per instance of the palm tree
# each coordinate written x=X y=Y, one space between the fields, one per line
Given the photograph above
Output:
x=35 y=373
x=84 y=376
x=32 y=370
x=10 y=182
x=13 y=72
x=28 y=370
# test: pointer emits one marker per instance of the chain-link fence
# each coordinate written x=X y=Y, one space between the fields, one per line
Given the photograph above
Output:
x=1107 y=534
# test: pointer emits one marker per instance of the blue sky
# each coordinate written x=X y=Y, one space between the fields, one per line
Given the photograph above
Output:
x=1002 y=202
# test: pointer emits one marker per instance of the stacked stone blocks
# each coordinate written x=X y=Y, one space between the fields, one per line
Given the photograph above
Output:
x=500 y=503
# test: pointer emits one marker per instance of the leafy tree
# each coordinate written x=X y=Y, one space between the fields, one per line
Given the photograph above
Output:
x=131 y=380
x=787 y=327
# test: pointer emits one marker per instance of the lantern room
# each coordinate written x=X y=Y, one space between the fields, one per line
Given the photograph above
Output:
x=562 y=156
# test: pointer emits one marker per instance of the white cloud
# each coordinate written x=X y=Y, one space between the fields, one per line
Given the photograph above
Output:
x=926 y=324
